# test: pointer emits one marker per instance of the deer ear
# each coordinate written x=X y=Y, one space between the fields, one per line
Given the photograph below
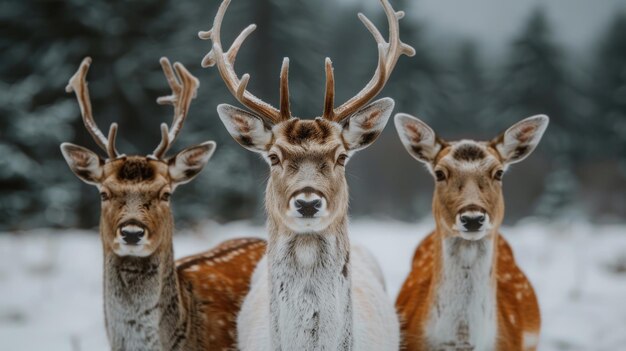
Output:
x=186 y=165
x=364 y=127
x=521 y=139
x=86 y=164
x=247 y=129
x=418 y=138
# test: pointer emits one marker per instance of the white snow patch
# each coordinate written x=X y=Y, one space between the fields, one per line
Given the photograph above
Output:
x=51 y=281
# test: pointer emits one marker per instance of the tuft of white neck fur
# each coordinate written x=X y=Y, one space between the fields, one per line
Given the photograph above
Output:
x=310 y=302
x=463 y=316
x=136 y=290
x=314 y=292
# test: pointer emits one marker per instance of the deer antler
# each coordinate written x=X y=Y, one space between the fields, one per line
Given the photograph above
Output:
x=388 y=55
x=78 y=85
x=225 y=62
x=184 y=89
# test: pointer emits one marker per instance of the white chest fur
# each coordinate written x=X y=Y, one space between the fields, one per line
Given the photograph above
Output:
x=374 y=324
x=132 y=318
x=463 y=315
x=310 y=304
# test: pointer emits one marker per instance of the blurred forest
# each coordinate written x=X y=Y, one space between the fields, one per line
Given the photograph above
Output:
x=579 y=169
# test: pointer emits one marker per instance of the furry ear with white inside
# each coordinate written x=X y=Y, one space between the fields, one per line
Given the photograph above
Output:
x=247 y=129
x=86 y=164
x=521 y=139
x=365 y=126
x=418 y=138
x=186 y=165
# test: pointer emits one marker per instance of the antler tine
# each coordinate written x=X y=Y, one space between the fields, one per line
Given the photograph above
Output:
x=164 y=144
x=225 y=63
x=234 y=48
x=285 y=111
x=329 y=95
x=388 y=55
x=78 y=84
x=111 y=149
x=184 y=89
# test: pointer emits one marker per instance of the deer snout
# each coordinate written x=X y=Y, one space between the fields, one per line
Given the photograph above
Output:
x=132 y=232
x=472 y=223
x=307 y=203
x=472 y=219
x=308 y=208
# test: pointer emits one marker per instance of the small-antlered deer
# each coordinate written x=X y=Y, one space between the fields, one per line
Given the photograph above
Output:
x=313 y=291
x=150 y=302
x=465 y=291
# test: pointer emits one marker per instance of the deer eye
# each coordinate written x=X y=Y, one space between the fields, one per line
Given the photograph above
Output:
x=104 y=196
x=498 y=174
x=341 y=160
x=440 y=175
x=166 y=196
x=274 y=160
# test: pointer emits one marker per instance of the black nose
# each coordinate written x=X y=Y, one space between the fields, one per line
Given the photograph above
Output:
x=308 y=208
x=473 y=223
x=132 y=235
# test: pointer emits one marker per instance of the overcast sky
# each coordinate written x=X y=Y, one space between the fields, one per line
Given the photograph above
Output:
x=495 y=22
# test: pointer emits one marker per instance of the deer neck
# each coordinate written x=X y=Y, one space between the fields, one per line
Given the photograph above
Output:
x=310 y=288
x=145 y=309
x=464 y=295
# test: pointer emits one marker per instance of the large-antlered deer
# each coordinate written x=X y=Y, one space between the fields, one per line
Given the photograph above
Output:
x=465 y=291
x=150 y=302
x=313 y=291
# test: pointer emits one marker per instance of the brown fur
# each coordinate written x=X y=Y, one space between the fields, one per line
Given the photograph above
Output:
x=207 y=289
x=135 y=170
x=149 y=302
x=470 y=188
x=219 y=279
x=418 y=290
x=468 y=153
x=298 y=131
x=308 y=142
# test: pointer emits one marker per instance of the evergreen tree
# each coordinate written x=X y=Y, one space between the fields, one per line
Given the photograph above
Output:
x=608 y=91
x=44 y=42
x=417 y=86
x=417 y=83
x=466 y=89
x=535 y=81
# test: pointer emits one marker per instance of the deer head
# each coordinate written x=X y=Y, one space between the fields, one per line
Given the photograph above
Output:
x=468 y=199
x=135 y=191
x=307 y=189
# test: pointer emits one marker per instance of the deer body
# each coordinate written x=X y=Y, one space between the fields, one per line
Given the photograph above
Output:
x=136 y=292
x=318 y=298
x=464 y=296
x=312 y=291
x=305 y=279
x=152 y=303
x=465 y=291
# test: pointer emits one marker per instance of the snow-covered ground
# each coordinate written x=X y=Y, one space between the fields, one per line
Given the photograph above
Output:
x=51 y=298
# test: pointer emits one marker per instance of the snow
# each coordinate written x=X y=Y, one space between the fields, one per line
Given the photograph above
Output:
x=51 y=293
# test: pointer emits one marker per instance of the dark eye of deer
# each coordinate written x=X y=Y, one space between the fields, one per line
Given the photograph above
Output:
x=341 y=160
x=104 y=196
x=166 y=196
x=274 y=160
x=440 y=175
x=498 y=175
